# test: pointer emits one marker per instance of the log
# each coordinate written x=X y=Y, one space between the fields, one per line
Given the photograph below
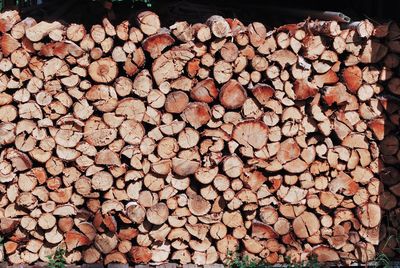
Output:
x=232 y=95
x=257 y=33
x=218 y=26
x=229 y=52
x=140 y=254
x=289 y=150
x=131 y=131
x=369 y=215
x=353 y=78
x=222 y=71
x=196 y=114
x=149 y=22
x=182 y=30
x=198 y=205
x=157 y=214
x=204 y=91
x=233 y=166
x=8 y=19
x=103 y=71
x=251 y=133
x=9 y=44
x=202 y=32
x=40 y=30
x=306 y=225
x=155 y=44
x=304 y=90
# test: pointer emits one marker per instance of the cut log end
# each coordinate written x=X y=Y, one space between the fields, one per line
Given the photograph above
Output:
x=103 y=71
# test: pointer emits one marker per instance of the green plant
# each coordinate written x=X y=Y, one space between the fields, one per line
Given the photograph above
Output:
x=312 y=262
x=147 y=2
x=237 y=260
x=382 y=260
x=1 y=240
x=57 y=260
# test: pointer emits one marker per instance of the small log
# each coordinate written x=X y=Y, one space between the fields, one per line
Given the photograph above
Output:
x=219 y=26
x=251 y=133
x=103 y=71
x=232 y=166
x=232 y=95
x=8 y=19
x=149 y=22
x=304 y=90
x=204 y=91
x=196 y=114
x=306 y=225
x=257 y=33
x=222 y=71
x=157 y=214
x=198 y=205
x=155 y=44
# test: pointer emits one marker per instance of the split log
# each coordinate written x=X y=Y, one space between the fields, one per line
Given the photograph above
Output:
x=222 y=71
x=40 y=30
x=182 y=30
x=155 y=44
x=8 y=19
x=196 y=114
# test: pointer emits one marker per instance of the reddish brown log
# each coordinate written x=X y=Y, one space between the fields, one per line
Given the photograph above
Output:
x=232 y=95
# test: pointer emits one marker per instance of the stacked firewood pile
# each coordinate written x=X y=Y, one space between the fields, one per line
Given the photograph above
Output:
x=140 y=144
